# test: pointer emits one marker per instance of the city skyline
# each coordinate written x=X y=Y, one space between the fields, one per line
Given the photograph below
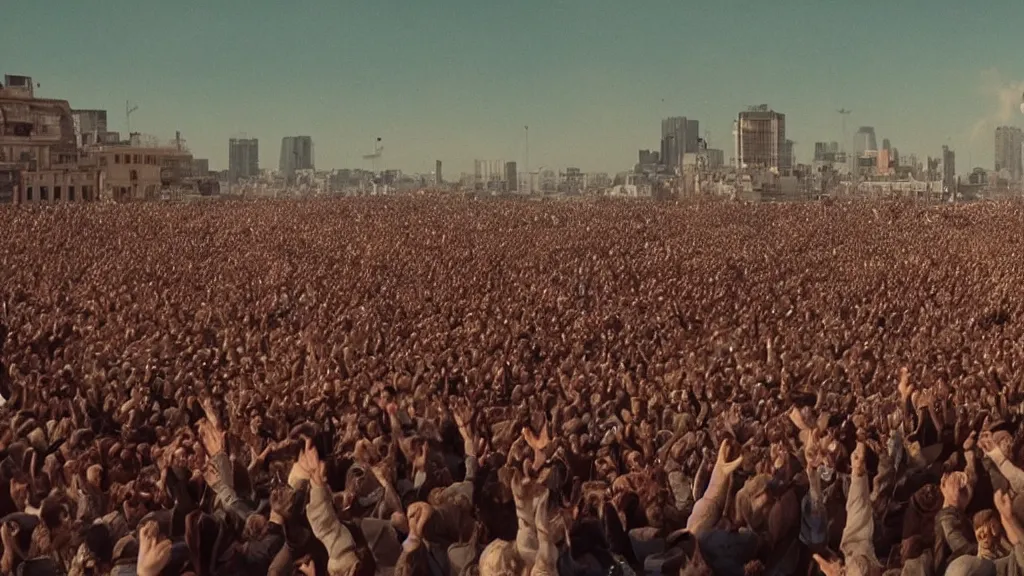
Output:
x=592 y=79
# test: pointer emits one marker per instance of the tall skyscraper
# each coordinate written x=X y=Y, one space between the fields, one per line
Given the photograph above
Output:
x=885 y=144
x=438 y=180
x=864 y=141
x=948 y=169
x=761 y=139
x=296 y=154
x=243 y=158
x=678 y=137
x=511 y=177
x=1009 y=145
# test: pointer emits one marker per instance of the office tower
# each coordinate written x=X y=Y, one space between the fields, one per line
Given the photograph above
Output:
x=820 y=150
x=648 y=157
x=885 y=144
x=438 y=180
x=243 y=158
x=761 y=138
x=478 y=173
x=716 y=158
x=864 y=141
x=678 y=137
x=511 y=177
x=948 y=169
x=296 y=154
x=1009 y=143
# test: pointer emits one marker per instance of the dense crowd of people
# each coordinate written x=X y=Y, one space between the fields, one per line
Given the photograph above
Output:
x=452 y=387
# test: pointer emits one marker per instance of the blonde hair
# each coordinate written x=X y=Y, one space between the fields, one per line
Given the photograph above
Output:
x=500 y=558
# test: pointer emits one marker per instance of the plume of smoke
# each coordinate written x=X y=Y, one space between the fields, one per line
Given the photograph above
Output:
x=1004 y=97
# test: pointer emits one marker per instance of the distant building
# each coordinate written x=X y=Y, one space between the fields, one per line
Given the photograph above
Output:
x=864 y=141
x=511 y=177
x=948 y=169
x=90 y=126
x=716 y=158
x=39 y=156
x=884 y=162
x=648 y=157
x=243 y=159
x=139 y=172
x=885 y=144
x=1009 y=146
x=761 y=139
x=296 y=154
x=820 y=151
x=200 y=167
x=438 y=179
x=678 y=136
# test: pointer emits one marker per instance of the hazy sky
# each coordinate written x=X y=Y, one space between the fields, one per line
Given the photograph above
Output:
x=457 y=79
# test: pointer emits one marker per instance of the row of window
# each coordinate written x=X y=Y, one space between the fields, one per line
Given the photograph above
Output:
x=146 y=159
x=44 y=193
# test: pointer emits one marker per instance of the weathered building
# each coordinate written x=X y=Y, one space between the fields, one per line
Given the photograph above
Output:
x=137 y=172
x=39 y=158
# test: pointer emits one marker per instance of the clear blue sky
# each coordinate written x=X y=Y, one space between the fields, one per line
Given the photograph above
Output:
x=457 y=79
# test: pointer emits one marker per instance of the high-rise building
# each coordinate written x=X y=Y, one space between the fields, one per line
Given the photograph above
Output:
x=1009 y=146
x=885 y=144
x=243 y=158
x=648 y=157
x=820 y=150
x=948 y=169
x=678 y=136
x=716 y=158
x=864 y=141
x=296 y=154
x=511 y=177
x=438 y=180
x=761 y=139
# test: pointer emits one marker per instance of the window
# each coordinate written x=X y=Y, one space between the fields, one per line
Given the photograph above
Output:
x=103 y=160
x=44 y=193
x=56 y=193
x=28 y=194
x=71 y=193
x=85 y=193
x=117 y=158
x=135 y=159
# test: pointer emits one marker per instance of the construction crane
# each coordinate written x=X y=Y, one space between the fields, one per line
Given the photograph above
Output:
x=128 y=111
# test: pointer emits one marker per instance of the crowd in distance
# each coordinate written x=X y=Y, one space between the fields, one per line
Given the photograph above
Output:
x=448 y=387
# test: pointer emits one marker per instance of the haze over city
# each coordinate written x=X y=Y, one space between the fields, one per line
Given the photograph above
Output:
x=458 y=80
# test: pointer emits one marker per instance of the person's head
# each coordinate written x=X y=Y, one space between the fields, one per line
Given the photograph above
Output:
x=988 y=528
x=500 y=558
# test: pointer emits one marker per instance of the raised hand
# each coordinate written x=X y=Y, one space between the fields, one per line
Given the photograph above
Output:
x=905 y=387
x=858 y=460
x=1004 y=504
x=311 y=465
x=970 y=442
x=723 y=459
x=538 y=443
x=829 y=567
x=154 y=552
x=212 y=438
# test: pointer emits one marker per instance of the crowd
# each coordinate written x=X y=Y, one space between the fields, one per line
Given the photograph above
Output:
x=452 y=387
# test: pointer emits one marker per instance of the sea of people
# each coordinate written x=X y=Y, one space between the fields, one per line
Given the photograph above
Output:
x=457 y=387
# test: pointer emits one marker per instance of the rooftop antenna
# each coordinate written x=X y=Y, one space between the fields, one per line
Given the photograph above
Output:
x=128 y=110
